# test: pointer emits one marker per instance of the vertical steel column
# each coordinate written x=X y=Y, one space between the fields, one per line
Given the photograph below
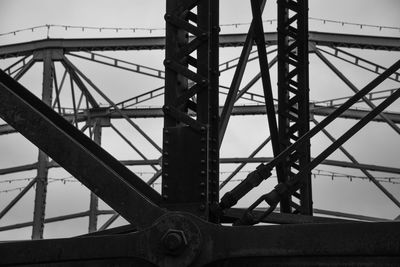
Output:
x=43 y=159
x=94 y=200
x=212 y=14
x=293 y=96
x=190 y=146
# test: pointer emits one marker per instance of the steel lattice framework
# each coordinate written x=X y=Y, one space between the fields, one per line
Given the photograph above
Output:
x=184 y=223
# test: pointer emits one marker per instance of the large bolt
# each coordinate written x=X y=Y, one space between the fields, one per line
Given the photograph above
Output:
x=174 y=241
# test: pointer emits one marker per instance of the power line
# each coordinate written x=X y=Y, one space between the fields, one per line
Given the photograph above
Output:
x=316 y=173
x=49 y=27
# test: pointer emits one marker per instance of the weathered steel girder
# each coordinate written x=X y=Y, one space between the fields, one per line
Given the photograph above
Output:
x=179 y=239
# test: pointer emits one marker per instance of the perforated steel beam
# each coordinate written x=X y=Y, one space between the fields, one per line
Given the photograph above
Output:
x=293 y=98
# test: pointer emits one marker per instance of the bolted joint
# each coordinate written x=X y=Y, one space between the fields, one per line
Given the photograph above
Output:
x=174 y=241
x=204 y=82
x=167 y=62
x=167 y=17
x=204 y=36
x=166 y=110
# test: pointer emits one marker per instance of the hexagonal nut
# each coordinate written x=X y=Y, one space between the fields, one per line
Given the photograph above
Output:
x=174 y=241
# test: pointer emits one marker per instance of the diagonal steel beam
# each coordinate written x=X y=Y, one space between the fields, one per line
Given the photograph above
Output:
x=337 y=112
x=355 y=90
x=107 y=224
x=122 y=64
x=266 y=83
x=24 y=69
x=72 y=73
x=367 y=173
x=286 y=188
x=116 y=215
x=236 y=171
x=360 y=62
x=295 y=182
x=17 y=198
x=59 y=88
x=10 y=69
x=237 y=79
x=72 y=66
x=54 y=219
x=131 y=145
x=254 y=80
x=95 y=168
x=254 y=179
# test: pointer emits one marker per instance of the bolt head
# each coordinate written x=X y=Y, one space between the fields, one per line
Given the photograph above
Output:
x=174 y=241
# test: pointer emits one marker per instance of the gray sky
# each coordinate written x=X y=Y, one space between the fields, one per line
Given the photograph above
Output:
x=376 y=144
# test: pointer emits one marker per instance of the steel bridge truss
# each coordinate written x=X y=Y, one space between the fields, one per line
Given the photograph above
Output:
x=181 y=225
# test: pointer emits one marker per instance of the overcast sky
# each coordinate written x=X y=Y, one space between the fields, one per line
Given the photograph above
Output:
x=377 y=144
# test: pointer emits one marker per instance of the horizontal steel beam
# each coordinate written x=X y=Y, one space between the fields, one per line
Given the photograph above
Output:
x=206 y=244
x=236 y=160
x=350 y=216
x=55 y=219
x=355 y=41
x=137 y=113
x=155 y=112
x=226 y=40
x=356 y=114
